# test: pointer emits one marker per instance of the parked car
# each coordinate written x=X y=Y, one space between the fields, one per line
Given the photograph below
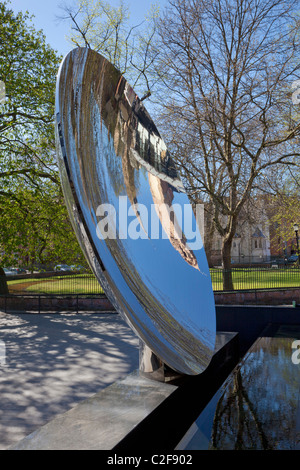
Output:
x=62 y=267
x=292 y=259
x=9 y=272
x=18 y=270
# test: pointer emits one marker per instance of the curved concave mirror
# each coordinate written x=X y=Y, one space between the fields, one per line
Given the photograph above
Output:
x=131 y=215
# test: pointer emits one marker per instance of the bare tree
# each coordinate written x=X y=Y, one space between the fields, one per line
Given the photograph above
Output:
x=228 y=66
x=107 y=29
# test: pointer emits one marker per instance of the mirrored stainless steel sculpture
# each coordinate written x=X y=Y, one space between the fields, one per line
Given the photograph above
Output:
x=117 y=174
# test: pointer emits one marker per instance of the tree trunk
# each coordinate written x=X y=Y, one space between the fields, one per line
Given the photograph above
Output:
x=226 y=258
x=3 y=283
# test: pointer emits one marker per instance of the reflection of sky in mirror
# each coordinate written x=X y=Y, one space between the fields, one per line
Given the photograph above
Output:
x=160 y=257
x=154 y=260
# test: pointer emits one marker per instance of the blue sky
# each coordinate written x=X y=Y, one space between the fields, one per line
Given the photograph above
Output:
x=45 y=13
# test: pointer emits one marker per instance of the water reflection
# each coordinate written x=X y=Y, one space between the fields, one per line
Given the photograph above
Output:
x=258 y=407
x=108 y=147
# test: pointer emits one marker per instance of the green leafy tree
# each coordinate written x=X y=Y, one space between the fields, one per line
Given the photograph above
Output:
x=35 y=230
x=28 y=170
x=28 y=67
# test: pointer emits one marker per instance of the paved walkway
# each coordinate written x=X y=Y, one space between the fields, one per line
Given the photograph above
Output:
x=51 y=362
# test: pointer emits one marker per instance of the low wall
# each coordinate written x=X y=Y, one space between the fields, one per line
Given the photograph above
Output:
x=101 y=303
x=56 y=303
x=259 y=297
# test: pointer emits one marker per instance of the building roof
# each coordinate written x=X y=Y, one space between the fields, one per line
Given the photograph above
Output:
x=258 y=233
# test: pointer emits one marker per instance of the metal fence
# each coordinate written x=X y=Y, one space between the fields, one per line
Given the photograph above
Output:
x=85 y=284
x=257 y=278
x=53 y=284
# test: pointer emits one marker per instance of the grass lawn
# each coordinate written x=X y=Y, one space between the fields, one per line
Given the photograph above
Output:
x=76 y=284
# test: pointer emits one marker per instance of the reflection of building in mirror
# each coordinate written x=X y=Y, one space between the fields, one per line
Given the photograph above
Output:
x=151 y=152
x=162 y=194
x=148 y=148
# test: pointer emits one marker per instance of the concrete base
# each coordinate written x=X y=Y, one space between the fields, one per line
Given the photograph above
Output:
x=102 y=420
x=105 y=420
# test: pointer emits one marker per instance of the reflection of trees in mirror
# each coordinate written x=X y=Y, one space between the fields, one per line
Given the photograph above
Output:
x=258 y=407
x=236 y=421
x=122 y=125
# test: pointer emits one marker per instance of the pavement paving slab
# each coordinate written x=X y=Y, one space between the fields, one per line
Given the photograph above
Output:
x=51 y=362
